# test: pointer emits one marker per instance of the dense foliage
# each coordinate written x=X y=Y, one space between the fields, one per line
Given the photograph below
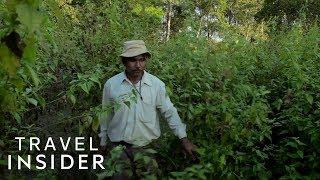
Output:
x=248 y=91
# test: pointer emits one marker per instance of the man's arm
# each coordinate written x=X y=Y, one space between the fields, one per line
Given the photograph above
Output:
x=105 y=118
x=171 y=115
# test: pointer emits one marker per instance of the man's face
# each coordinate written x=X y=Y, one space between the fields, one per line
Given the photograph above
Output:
x=136 y=65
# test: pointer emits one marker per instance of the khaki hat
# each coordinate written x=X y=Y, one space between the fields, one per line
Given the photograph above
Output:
x=134 y=48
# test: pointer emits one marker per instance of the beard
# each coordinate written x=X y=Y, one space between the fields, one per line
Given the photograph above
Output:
x=135 y=72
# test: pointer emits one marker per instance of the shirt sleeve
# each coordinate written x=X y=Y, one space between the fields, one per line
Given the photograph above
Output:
x=105 y=117
x=170 y=113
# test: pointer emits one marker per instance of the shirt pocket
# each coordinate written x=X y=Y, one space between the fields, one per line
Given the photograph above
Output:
x=147 y=113
x=147 y=96
x=147 y=110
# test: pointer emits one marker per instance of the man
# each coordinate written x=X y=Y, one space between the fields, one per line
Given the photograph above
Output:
x=137 y=124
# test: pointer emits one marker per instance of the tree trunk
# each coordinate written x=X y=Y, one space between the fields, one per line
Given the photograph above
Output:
x=200 y=26
x=168 y=20
x=208 y=27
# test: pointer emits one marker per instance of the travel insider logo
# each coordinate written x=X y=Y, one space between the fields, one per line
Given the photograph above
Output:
x=45 y=161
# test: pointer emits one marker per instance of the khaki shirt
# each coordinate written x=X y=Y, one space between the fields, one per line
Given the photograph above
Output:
x=137 y=123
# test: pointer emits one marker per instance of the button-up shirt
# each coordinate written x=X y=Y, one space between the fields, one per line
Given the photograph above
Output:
x=137 y=122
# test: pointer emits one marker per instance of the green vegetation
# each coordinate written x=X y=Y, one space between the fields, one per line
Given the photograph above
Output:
x=244 y=76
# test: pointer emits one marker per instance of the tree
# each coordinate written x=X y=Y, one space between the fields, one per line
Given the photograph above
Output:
x=285 y=12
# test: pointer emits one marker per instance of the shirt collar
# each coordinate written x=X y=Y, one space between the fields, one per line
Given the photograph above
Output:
x=145 y=78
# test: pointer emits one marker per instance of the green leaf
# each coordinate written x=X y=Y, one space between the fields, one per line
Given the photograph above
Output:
x=72 y=98
x=134 y=92
x=151 y=151
x=2 y=144
x=278 y=103
x=33 y=75
x=201 y=151
x=292 y=144
x=127 y=103
x=105 y=174
x=10 y=5
x=299 y=142
x=81 y=128
x=168 y=91
x=32 y=101
x=222 y=160
x=42 y=101
x=3 y=32
x=95 y=79
x=265 y=92
x=29 y=17
x=9 y=61
x=309 y=98
x=29 y=52
x=146 y=159
x=88 y=120
x=95 y=124
x=300 y=153
x=85 y=87
x=18 y=83
x=17 y=117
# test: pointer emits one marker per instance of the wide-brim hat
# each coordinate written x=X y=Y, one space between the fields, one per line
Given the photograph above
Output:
x=134 y=48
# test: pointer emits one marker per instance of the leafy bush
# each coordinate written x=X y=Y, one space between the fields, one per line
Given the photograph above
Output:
x=253 y=108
